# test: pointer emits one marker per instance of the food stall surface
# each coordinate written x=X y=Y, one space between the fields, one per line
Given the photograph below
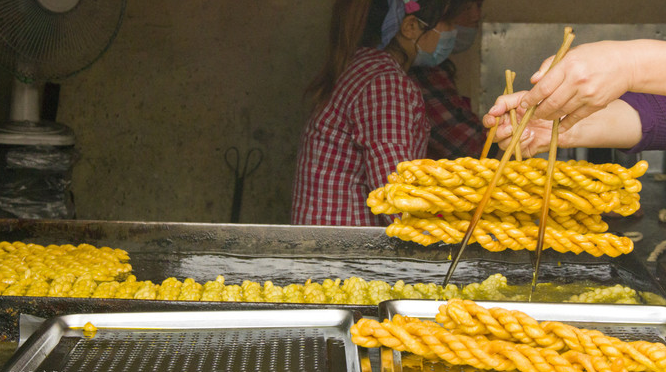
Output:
x=293 y=254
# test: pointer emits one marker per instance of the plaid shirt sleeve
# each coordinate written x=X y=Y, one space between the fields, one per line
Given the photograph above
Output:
x=456 y=130
x=390 y=127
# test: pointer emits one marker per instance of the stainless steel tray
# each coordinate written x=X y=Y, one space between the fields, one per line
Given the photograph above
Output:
x=258 y=340
x=626 y=322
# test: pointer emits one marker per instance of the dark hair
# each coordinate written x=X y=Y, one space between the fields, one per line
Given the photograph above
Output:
x=432 y=12
x=348 y=19
x=358 y=23
x=372 y=33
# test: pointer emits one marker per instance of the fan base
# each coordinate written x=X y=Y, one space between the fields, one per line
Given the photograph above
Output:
x=42 y=133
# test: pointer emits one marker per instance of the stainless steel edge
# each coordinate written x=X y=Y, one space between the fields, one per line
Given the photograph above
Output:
x=39 y=345
x=211 y=319
x=564 y=312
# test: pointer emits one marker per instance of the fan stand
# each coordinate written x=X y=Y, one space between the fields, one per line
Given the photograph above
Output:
x=25 y=126
x=41 y=41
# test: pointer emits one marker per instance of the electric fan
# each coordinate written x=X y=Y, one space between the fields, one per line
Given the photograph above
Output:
x=49 y=40
x=45 y=41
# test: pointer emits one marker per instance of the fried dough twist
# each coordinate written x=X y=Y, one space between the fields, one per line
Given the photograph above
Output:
x=498 y=235
x=477 y=173
x=436 y=196
x=469 y=318
x=432 y=341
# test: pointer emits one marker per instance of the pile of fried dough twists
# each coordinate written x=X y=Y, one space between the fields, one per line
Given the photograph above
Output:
x=466 y=333
x=437 y=197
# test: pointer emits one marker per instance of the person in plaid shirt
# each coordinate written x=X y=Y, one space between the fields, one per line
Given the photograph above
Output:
x=456 y=130
x=368 y=114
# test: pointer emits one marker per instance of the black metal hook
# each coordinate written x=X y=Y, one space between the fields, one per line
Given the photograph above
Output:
x=232 y=158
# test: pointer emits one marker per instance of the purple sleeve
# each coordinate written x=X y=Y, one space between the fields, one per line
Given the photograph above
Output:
x=652 y=111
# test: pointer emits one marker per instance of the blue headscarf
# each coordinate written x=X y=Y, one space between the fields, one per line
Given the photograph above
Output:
x=392 y=22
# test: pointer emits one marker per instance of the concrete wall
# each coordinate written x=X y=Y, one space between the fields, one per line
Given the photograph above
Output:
x=185 y=81
x=182 y=83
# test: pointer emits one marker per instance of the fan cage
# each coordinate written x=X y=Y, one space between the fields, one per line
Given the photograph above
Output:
x=37 y=44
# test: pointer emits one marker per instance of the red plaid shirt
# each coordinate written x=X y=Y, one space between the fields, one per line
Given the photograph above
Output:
x=374 y=120
x=456 y=130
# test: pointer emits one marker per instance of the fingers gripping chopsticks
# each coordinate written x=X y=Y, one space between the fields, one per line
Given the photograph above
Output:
x=566 y=44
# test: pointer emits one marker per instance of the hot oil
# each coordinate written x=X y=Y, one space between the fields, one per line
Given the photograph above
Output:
x=558 y=281
x=545 y=292
x=286 y=270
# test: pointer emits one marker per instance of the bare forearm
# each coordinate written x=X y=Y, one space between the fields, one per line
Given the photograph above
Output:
x=648 y=59
x=616 y=126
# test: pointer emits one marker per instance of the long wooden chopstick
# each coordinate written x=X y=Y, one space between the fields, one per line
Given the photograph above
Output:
x=489 y=139
x=493 y=129
x=500 y=168
x=545 y=208
x=512 y=113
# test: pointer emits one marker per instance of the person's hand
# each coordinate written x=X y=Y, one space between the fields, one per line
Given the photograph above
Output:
x=588 y=78
x=616 y=126
x=536 y=136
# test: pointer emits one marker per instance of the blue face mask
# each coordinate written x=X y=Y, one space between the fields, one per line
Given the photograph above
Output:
x=464 y=39
x=447 y=40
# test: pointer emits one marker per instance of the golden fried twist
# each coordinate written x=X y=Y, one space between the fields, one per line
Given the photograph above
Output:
x=169 y=289
x=212 y=290
x=397 y=197
x=272 y=293
x=190 y=290
x=497 y=235
x=469 y=318
x=353 y=290
x=33 y=270
x=432 y=341
x=618 y=294
x=477 y=173
x=33 y=261
x=147 y=291
x=436 y=196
